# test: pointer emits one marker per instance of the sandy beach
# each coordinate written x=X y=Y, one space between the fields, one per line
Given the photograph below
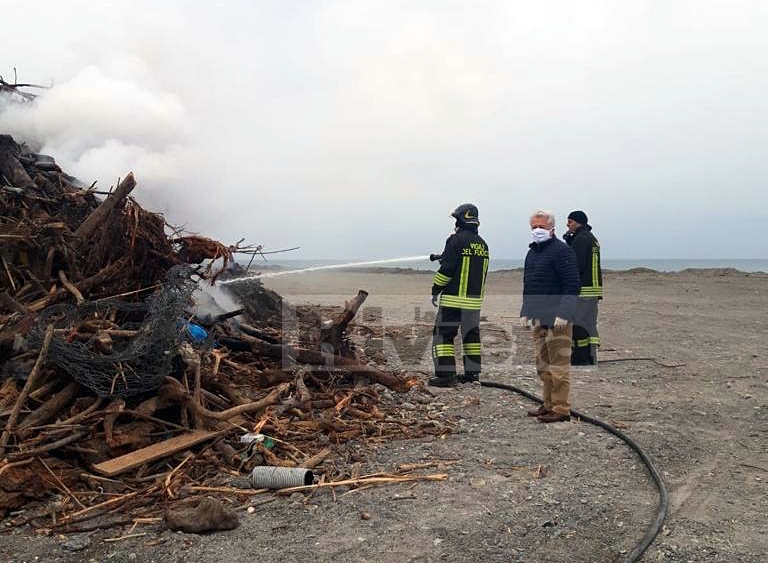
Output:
x=522 y=491
x=704 y=423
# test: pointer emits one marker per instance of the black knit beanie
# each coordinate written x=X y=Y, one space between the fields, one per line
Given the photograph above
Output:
x=579 y=217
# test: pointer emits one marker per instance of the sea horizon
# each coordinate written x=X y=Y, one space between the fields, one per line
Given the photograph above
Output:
x=749 y=265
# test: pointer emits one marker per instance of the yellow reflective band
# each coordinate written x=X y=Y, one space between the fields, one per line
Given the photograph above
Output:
x=594 y=340
x=441 y=280
x=464 y=280
x=583 y=342
x=473 y=303
x=595 y=256
x=591 y=291
x=486 y=261
x=472 y=349
x=442 y=351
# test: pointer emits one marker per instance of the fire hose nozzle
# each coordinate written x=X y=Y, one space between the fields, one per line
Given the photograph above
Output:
x=433 y=257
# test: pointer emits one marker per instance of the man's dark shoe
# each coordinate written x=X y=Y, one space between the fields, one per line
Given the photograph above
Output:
x=539 y=412
x=469 y=378
x=443 y=381
x=554 y=417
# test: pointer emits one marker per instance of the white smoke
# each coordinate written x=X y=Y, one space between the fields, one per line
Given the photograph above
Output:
x=99 y=126
x=352 y=128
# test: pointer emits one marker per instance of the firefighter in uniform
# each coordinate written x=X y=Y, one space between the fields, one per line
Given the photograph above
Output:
x=586 y=339
x=458 y=289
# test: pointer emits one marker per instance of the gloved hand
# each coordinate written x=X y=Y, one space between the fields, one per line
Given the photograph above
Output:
x=525 y=322
x=434 y=300
x=560 y=322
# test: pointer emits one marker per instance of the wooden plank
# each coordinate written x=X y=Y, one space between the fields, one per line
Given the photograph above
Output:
x=131 y=460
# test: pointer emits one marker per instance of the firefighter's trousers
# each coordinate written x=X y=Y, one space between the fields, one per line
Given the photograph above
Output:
x=586 y=339
x=447 y=324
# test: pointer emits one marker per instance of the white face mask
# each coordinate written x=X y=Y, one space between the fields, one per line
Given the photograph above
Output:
x=540 y=235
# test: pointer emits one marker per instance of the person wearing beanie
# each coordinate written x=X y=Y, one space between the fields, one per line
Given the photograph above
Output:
x=586 y=339
x=578 y=217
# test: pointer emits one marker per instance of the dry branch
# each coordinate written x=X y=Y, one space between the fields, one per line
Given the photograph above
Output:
x=28 y=386
x=92 y=222
x=334 y=333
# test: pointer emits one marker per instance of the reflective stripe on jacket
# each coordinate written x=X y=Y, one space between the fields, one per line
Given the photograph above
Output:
x=587 y=250
x=460 y=281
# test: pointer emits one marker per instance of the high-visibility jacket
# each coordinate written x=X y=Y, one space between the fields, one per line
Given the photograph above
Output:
x=587 y=250
x=460 y=281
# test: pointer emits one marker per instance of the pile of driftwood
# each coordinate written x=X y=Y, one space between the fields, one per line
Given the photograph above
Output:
x=119 y=397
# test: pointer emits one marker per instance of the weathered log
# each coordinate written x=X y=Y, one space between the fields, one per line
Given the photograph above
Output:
x=253 y=331
x=98 y=215
x=10 y=167
x=173 y=386
x=83 y=286
x=270 y=377
x=46 y=385
x=315 y=359
x=49 y=409
x=229 y=391
x=153 y=404
x=49 y=447
x=333 y=334
x=215 y=399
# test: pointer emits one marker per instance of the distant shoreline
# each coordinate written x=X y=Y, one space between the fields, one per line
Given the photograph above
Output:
x=747 y=265
x=417 y=271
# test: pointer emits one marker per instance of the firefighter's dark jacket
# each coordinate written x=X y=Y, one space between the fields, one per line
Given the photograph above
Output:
x=460 y=281
x=550 y=282
x=587 y=251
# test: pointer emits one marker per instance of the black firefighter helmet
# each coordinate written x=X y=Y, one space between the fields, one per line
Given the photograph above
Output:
x=466 y=213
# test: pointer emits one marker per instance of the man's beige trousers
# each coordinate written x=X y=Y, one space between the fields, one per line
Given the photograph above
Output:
x=553 y=362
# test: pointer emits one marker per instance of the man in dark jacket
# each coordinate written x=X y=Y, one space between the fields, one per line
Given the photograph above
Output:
x=550 y=288
x=458 y=287
x=585 y=336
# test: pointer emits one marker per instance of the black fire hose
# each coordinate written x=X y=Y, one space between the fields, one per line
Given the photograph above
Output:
x=661 y=513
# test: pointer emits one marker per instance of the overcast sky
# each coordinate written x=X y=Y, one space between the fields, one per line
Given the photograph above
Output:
x=353 y=128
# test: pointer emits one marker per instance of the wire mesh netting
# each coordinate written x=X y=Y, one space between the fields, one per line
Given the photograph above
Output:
x=133 y=364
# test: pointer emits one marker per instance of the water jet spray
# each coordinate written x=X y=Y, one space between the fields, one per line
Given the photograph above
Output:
x=326 y=267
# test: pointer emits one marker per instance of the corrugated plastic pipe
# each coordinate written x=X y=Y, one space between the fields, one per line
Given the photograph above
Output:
x=268 y=477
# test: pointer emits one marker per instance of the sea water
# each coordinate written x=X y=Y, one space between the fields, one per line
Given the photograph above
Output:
x=284 y=266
